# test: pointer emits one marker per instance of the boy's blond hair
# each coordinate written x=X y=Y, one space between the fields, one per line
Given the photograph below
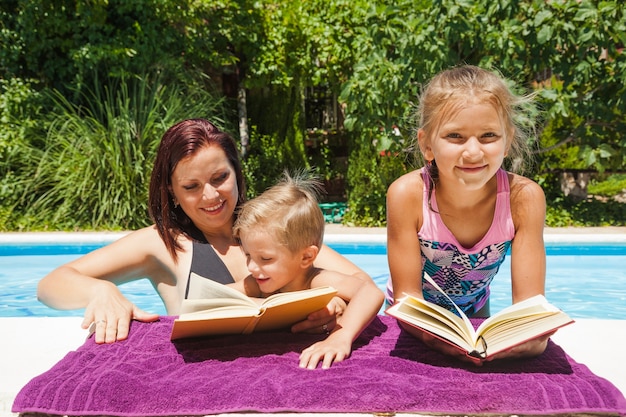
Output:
x=289 y=211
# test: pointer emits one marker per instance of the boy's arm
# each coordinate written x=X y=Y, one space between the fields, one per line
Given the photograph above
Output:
x=247 y=286
x=364 y=301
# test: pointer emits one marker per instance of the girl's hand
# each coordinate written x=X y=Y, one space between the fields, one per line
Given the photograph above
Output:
x=531 y=348
x=440 y=346
x=534 y=347
x=109 y=313
x=327 y=351
x=322 y=321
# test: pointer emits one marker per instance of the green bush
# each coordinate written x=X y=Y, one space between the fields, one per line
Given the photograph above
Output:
x=22 y=125
x=95 y=169
x=609 y=187
x=263 y=164
x=370 y=173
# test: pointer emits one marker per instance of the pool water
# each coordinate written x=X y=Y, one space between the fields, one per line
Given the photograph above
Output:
x=584 y=280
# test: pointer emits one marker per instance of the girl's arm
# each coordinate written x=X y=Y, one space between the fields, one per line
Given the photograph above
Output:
x=90 y=282
x=404 y=219
x=364 y=300
x=528 y=254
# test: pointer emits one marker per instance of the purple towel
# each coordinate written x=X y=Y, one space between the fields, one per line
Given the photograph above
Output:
x=389 y=371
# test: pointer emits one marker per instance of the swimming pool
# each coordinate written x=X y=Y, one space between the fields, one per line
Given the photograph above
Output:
x=585 y=279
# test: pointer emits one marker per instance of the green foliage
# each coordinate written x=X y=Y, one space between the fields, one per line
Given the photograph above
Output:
x=263 y=167
x=21 y=123
x=95 y=169
x=375 y=54
x=370 y=173
x=62 y=42
x=564 y=212
x=600 y=209
x=613 y=185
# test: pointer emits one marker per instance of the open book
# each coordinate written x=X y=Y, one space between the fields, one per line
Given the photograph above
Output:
x=512 y=326
x=224 y=310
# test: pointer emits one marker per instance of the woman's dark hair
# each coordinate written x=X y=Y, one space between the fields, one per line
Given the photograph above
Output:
x=181 y=141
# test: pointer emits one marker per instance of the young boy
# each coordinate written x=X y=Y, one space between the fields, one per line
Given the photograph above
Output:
x=281 y=233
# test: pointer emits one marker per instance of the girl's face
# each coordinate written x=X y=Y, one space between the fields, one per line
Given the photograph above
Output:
x=274 y=266
x=469 y=147
x=205 y=186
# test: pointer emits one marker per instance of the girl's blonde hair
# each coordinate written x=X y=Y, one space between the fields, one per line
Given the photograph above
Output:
x=289 y=211
x=449 y=90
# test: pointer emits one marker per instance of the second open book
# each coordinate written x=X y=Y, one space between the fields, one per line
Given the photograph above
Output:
x=510 y=327
x=220 y=309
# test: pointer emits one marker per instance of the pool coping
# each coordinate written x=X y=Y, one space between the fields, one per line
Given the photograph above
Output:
x=333 y=233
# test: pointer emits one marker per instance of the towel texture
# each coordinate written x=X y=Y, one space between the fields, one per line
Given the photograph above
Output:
x=389 y=371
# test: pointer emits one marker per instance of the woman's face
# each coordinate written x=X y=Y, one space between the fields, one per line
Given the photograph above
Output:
x=205 y=186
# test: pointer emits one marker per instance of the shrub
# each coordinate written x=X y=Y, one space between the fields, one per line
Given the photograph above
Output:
x=95 y=169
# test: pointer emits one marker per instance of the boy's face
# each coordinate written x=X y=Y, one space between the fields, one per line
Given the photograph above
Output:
x=274 y=267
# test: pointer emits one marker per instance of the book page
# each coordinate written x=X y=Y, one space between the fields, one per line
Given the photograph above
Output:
x=286 y=309
x=533 y=305
x=425 y=315
x=207 y=288
x=216 y=307
x=288 y=297
x=466 y=320
x=513 y=333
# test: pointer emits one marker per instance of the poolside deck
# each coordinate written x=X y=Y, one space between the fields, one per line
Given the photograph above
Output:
x=30 y=346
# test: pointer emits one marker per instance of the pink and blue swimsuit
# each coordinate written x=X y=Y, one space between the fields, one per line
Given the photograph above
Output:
x=463 y=273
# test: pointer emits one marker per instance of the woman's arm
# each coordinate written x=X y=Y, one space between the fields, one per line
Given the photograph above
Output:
x=90 y=282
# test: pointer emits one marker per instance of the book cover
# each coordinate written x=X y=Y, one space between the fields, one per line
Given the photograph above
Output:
x=224 y=310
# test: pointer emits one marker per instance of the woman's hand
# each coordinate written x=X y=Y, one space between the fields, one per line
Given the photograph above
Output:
x=322 y=321
x=109 y=313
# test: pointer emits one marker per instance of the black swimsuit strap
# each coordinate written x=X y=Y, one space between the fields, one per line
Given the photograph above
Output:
x=206 y=263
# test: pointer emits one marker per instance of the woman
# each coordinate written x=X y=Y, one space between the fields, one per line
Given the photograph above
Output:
x=196 y=187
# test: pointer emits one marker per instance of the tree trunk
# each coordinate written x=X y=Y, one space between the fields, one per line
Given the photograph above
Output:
x=243 y=119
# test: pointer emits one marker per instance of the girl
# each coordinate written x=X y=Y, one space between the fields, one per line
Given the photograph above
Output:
x=456 y=218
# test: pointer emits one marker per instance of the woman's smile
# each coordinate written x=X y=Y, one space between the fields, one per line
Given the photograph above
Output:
x=214 y=208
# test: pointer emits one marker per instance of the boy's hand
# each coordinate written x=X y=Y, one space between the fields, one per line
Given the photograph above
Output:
x=322 y=321
x=328 y=351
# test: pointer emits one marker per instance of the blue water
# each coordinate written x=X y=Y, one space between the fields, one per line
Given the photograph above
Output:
x=586 y=280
